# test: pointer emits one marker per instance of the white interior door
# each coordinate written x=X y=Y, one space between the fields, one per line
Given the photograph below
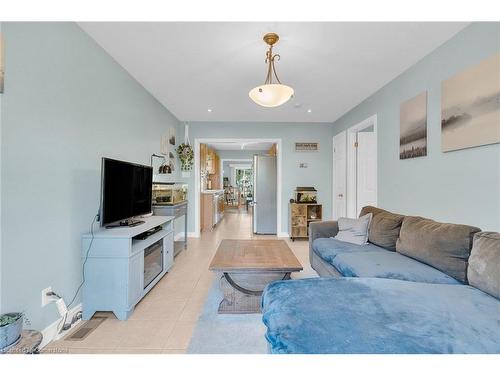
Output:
x=366 y=170
x=339 y=175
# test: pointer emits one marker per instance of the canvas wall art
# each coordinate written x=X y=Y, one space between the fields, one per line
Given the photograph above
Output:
x=470 y=106
x=171 y=136
x=413 y=127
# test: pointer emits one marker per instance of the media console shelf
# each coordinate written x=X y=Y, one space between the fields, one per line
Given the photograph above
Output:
x=121 y=269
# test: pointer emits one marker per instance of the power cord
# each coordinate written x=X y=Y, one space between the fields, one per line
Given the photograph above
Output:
x=60 y=328
x=85 y=261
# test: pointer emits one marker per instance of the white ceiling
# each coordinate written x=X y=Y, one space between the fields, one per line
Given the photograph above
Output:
x=245 y=146
x=193 y=66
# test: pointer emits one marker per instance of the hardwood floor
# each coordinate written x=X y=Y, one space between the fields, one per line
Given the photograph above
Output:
x=164 y=320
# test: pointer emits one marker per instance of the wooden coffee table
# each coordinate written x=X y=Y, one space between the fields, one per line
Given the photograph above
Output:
x=247 y=266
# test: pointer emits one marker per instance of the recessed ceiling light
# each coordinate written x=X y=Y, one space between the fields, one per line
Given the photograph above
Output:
x=309 y=110
x=209 y=110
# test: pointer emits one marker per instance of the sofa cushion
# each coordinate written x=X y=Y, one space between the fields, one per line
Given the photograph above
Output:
x=390 y=265
x=371 y=210
x=328 y=248
x=484 y=263
x=354 y=230
x=384 y=227
x=352 y=315
x=441 y=245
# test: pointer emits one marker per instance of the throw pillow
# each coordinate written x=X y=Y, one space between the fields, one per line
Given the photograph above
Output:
x=484 y=263
x=354 y=230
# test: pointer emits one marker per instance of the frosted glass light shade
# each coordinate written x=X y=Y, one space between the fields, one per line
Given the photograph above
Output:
x=271 y=95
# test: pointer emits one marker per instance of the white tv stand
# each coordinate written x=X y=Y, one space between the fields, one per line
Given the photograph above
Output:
x=114 y=272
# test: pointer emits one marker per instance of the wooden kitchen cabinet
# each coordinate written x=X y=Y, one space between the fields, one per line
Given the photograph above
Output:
x=203 y=158
x=207 y=213
x=212 y=209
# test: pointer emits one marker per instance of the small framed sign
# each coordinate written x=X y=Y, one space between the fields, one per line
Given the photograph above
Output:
x=306 y=146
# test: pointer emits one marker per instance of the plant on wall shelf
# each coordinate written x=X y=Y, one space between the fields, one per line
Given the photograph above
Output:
x=186 y=156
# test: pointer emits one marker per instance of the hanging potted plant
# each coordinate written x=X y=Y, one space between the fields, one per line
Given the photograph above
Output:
x=186 y=154
x=11 y=326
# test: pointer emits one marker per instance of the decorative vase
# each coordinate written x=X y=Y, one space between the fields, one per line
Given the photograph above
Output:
x=11 y=333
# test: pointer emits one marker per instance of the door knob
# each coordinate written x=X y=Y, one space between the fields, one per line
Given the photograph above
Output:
x=341 y=195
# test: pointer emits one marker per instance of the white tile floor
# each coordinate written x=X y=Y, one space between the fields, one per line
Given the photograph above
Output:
x=164 y=320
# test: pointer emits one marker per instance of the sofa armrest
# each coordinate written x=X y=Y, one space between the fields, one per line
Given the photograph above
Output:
x=322 y=229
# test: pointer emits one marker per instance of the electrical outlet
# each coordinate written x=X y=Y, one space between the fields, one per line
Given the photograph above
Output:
x=45 y=298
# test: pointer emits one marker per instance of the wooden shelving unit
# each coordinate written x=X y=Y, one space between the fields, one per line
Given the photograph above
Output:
x=301 y=215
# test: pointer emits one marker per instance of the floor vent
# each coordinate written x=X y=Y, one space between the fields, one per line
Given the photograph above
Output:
x=85 y=329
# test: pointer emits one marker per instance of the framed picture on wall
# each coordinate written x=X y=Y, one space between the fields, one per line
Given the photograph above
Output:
x=413 y=127
x=470 y=106
x=171 y=136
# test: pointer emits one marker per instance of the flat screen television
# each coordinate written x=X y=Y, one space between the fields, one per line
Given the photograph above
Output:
x=126 y=192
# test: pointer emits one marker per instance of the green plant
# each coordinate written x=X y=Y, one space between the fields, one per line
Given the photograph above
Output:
x=186 y=156
x=7 y=319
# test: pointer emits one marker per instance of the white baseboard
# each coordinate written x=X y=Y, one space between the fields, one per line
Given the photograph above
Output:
x=193 y=235
x=283 y=234
x=50 y=332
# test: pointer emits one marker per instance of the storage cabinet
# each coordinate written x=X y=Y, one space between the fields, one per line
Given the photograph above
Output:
x=115 y=270
x=212 y=209
x=301 y=215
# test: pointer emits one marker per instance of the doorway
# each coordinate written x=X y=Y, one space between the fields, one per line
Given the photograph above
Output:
x=229 y=144
x=355 y=169
x=236 y=175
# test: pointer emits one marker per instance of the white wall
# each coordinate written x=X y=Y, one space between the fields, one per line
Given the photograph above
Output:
x=67 y=103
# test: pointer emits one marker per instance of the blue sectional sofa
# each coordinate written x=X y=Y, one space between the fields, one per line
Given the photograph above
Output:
x=418 y=293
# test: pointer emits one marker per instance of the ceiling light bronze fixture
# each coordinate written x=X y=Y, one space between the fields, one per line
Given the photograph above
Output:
x=271 y=94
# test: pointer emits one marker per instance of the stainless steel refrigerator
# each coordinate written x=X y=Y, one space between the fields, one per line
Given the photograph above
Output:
x=264 y=194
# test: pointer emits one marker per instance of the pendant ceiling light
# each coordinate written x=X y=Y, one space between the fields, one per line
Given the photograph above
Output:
x=271 y=94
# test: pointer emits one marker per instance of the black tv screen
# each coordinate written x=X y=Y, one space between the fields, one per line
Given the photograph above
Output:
x=126 y=190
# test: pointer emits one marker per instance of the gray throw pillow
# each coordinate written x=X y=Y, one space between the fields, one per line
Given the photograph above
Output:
x=484 y=263
x=354 y=230
x=384 y=230
x=384 y=227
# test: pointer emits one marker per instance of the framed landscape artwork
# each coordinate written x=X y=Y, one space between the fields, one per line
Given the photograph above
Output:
x=413 y=127
x=470 y=106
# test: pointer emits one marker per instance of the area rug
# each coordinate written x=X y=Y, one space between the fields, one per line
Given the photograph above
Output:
x=226 y=333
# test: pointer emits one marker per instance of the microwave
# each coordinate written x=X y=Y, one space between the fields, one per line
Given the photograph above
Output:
x=169 y=193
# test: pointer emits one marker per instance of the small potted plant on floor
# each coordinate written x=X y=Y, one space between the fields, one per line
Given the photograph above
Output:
x=11 y=326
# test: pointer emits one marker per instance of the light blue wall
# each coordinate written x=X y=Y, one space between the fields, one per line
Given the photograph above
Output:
x=461 y=186
x=230 y=155
x=67 y=103
x=1 y=96
x=318 y=173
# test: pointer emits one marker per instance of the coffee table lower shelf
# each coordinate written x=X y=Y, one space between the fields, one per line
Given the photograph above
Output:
x=242 y=292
